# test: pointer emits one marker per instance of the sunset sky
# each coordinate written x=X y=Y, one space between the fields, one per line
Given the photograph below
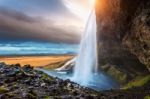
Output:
x=43 y=20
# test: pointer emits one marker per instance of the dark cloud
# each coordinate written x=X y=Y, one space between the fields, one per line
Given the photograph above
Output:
x=37 y=7
x=19 y=26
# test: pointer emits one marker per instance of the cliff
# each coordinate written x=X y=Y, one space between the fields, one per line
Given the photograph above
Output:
x=124 y=37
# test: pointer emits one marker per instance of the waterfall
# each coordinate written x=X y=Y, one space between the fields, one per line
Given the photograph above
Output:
x=86 y=62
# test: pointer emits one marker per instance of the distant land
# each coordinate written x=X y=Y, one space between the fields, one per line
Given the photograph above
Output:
x=49 y=61
x=36 y=48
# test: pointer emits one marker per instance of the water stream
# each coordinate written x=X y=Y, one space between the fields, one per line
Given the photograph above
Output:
x=100 y=81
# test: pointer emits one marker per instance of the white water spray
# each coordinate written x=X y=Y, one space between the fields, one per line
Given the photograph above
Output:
x=86 y=62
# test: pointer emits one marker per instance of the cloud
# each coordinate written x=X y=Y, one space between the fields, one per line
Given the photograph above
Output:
x=81 y=8
x=20 y=26
x=35 y=6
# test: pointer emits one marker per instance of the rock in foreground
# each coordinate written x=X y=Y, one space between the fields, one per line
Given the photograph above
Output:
x=26 y=83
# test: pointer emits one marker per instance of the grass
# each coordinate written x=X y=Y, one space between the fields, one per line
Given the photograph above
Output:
x=119 y=75
x=138 y=82
x=56 y=64
x=47 y=97
x=51 y=62
x=147 y=97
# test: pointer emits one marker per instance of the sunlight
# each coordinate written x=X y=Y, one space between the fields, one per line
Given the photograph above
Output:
x=77 y=8
x=92 y=2
x=80 y=8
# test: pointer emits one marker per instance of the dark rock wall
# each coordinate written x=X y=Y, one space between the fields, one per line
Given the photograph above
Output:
x=137 y=40
x=124 y=35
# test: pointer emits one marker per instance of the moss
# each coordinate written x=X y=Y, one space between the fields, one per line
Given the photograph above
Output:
x=31 y=96
x=39 y=72
x=11 y=94
x=15 y=85
x=46 y=77
x=147 y=97
x=47 y=97
x=138 y=82
x=33 y=93
x=120 y=76
x=3 y=90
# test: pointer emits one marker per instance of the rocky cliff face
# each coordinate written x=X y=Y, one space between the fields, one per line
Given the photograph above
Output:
x=137 y=40
x=124 y=37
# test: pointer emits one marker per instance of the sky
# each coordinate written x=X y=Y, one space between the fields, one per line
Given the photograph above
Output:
x=43 y=20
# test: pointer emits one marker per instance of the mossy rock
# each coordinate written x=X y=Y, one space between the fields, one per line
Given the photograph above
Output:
x=10 y=95
x=119 y=75
x=46 y=77
x=3 y=90
x=138 y=82
x=47 y=97
x=31 y=96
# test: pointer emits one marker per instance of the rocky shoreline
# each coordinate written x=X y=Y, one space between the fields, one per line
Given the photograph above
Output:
x=18 y=82
x=27 y=83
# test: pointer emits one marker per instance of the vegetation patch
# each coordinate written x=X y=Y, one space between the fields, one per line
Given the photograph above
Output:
x=138 y=82
x=147 y=97
x=3 y=90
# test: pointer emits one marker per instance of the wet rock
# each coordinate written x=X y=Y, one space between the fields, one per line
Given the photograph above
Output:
x=70 y=85
x=89 y=97
x=30 y=96
x=2 y=64
x=43 y=84
x=12 y=73
x=17 y=66
x=27 y=68
x=74 y=93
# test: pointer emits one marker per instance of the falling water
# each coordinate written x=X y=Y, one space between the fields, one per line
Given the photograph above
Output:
x=85 y=70
x=86 y=62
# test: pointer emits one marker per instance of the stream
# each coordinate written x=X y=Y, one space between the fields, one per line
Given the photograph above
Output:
x=98 y=82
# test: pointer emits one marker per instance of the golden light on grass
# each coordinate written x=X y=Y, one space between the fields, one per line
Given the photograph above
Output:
x=36 y=61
